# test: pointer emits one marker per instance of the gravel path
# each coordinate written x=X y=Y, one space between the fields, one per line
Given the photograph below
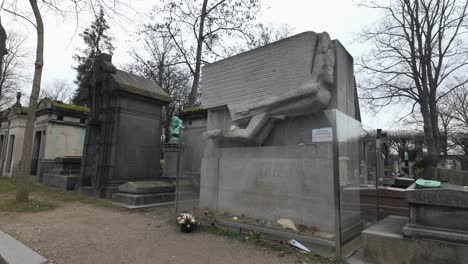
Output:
x=84 y=233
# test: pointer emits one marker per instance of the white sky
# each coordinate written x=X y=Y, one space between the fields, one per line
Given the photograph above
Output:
x=340 y=18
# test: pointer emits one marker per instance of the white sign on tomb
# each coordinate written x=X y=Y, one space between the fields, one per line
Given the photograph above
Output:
x=322 y=134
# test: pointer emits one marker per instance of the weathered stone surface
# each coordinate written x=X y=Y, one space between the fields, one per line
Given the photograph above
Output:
x=272 y=183
x=297 y=76
x=267 y=166
x=194 y=126
x=123 y=130
x=450 y=235
x=438 y=213
x=449 y=195
x=64 y=182
x=142 y=187
x=142 y=199
x=170 y=151
x=384 y=243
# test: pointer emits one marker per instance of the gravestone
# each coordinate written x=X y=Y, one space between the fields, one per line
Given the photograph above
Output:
x=261 y=158
x=144 y=193
x=438 y=213
x=64 y=174
x=122 y=142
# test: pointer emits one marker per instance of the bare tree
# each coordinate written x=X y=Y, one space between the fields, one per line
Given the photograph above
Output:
x=59 y=90
x=159 y=60
x=446 y=124
x=458 y=102
x=459 y=108
x=461 y=140
x=3 y=47
x=199 y=30
x=13 y=76
x=263 y=34
x=418 y=49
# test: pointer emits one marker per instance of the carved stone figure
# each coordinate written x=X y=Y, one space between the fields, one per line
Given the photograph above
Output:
x=312 y=95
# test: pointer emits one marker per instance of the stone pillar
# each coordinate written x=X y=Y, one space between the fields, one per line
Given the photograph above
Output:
x=170 y=151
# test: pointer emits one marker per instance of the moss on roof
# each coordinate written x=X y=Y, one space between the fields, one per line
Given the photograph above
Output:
x=70 y=107
x=193 y=109
x=24 y=110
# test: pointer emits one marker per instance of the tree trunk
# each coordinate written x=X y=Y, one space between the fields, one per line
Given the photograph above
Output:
x=434 y=116
x=22 y=177
x=428 y=132
x=196 y=76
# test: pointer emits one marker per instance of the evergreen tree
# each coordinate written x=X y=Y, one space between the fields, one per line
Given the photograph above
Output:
x=97 y=41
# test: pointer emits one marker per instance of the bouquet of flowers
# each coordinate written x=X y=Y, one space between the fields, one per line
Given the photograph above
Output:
x=186 y=222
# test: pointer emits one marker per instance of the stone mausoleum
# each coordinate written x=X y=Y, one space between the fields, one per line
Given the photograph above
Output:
x=59 y=131
x=123 y=132
x=269 y=154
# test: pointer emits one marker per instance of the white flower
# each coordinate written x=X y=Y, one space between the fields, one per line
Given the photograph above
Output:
x=193 y=220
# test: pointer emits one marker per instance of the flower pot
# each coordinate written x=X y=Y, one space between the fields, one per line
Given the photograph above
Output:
x=187 y=228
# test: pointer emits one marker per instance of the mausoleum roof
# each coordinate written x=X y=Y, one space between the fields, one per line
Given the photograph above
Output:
x=135 y=84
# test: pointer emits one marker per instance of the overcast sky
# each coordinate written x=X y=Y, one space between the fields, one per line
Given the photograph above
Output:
x=340 y=18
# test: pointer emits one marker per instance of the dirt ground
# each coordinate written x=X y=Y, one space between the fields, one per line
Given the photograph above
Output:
x=86 y=233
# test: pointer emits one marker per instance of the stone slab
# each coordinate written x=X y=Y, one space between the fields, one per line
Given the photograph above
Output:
x=142 y=199
x=143 y=187
x=383 y=242
x=14 y=252
x=447 y=195
x=141 y=206
x=64 y=182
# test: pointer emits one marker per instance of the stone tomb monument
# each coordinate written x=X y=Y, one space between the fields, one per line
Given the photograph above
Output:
x=122 y=141
x=260 y=159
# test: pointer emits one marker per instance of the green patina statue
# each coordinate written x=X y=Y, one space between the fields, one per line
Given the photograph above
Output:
x=176 y=126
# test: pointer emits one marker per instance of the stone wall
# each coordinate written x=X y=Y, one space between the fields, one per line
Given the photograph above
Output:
x=272 y=182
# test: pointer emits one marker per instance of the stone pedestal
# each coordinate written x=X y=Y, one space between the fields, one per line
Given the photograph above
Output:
x=439 y=213
x=170 y=152
x=384 y=242
x=64 y=174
